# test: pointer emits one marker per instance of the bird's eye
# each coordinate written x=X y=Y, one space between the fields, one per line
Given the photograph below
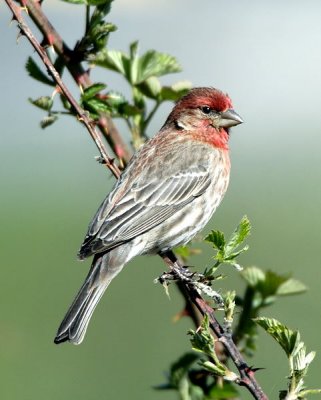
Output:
x=206 y=109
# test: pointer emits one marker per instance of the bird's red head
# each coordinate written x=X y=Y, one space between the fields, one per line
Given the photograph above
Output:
x=203 y=96
x=207 y=113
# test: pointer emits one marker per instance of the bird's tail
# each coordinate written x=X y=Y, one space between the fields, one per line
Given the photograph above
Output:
x=75 y=323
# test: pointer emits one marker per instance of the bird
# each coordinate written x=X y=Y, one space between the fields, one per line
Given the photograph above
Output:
x=167 y=193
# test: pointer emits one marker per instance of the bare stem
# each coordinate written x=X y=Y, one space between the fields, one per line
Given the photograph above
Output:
x=151 y=114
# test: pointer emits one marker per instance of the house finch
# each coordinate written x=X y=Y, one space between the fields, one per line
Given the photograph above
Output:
x=168 y=192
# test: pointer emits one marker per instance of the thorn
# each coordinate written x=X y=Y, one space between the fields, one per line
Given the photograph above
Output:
x=57 y=90
x=100 y=160
x=252 y=369
x=50 y=39
x=13 y=19
x=20 y=34
x=52 y=49
x=121 y=164
x=84 y=116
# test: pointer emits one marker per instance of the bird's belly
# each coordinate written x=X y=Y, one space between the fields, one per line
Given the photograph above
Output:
x=181 y=227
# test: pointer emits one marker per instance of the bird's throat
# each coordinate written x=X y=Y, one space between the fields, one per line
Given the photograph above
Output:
x=217 y=138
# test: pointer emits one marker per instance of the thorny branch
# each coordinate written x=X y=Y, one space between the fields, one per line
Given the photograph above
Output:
x=113 y=137
x=223 y=335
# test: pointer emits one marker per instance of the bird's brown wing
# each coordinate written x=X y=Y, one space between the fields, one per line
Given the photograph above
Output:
x=146 y=202
x=155 y=202
x=144 y=207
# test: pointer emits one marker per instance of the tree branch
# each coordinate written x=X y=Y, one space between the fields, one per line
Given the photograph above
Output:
x=81 y=76
x=224 y=336
x=82 y=115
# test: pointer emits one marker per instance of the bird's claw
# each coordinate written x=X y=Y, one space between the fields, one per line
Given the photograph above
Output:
x=179 y=273
x=183 y=274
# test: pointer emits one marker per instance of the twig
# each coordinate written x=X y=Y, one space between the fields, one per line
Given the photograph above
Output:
x=82 y=116
x=247 y=377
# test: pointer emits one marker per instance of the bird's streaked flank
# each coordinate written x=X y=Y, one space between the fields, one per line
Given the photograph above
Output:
x=166 y=195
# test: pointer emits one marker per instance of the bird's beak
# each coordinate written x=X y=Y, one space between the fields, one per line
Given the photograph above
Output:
x=230 y=118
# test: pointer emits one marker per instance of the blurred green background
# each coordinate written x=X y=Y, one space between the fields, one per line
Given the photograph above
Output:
x=267 y=56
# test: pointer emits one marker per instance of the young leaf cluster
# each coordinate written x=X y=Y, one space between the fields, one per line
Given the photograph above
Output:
x=97 y=30
x=299 y=360
x=203 y=341
x=142 y=73
x=196 y=377
x=227 y=251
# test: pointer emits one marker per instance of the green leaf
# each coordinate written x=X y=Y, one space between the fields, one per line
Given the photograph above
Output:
x=151 y=88
x=75 y=1
x=97 y=36
x=229 y=305
x=92 y=90
x=156 y=64
x=44 y=102
x=137 y=70
x=133 y=56
x=65 y=102
x=290 y=287
x=270 y=283
x=287 y=339
x=59 y=64
x=226 y=391
x=48 y=120
x=217 y=239
x=101 y=11
x=176 y=91
x=232 y=255
x=96 y=2
x=97 y=106
x=113 y=60
x=302 y=360
x=185 y=252
x=218 y=370
x=305 y=393
x=179 y=370
x=202 y=339
x=35 y=72
x=238 y=236
x=116 y=99
x=128 y=110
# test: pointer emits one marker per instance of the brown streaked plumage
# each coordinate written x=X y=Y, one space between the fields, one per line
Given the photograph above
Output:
x=167 y=193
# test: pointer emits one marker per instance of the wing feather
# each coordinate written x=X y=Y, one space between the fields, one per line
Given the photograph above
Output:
x=141 y=201
x=146 y=211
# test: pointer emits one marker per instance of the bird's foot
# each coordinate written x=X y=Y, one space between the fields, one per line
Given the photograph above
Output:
x=179 y=273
